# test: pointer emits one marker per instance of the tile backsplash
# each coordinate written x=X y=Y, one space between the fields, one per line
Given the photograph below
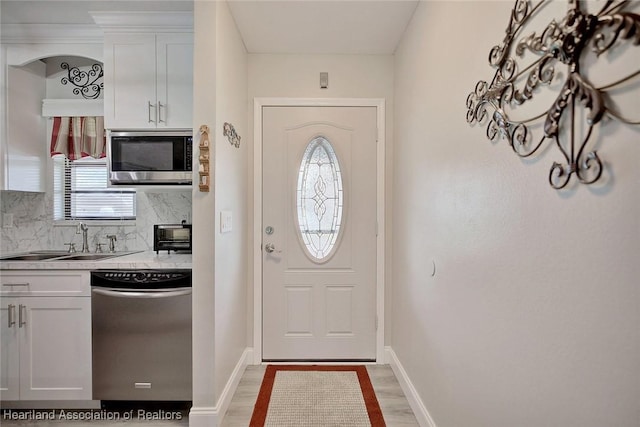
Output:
x=33 y=227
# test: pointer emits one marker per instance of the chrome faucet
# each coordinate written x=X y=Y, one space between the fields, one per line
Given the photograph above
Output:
x=112 y=242
x=82 y=227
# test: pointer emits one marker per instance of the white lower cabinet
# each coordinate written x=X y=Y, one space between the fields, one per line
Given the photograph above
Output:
x=45 y=349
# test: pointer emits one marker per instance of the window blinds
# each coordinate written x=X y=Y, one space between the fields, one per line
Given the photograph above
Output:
x=81 y=192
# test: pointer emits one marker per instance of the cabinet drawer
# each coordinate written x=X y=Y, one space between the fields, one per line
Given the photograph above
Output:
x=45 y=283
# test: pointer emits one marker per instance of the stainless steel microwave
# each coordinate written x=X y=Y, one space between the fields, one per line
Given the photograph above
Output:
x=150 y=157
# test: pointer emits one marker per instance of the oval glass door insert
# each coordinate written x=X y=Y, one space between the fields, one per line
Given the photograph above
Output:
x=319 y=199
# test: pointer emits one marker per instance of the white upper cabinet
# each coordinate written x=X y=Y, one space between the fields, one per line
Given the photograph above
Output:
x=148 y=80
x=148 y=70
x=24 y=147
x=174 y=80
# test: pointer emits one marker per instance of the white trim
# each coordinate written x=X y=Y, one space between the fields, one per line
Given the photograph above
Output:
x=417 y=406
x=258 y=104
x=381 y=226
x=22 y=54
x=136 y=22
x=232 y=383
x=203 y=417
x=51 y=33
x=72 y=107
x=208 y=416
x=257 y=231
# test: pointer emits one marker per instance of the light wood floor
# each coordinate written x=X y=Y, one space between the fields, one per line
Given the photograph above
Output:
x=394 y=405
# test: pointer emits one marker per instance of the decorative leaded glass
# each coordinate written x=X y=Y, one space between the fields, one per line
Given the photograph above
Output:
x=319 y=198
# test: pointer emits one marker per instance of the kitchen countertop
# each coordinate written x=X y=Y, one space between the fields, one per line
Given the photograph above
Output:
x=140 y=260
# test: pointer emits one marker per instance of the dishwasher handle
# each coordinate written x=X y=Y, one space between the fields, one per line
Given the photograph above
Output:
x=118 y=293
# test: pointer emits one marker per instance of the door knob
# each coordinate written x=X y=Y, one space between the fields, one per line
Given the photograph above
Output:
x=270 y=248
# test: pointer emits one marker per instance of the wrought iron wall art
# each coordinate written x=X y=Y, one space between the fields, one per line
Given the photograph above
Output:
x=85 y=82
x=565 y=42
x=230 y=132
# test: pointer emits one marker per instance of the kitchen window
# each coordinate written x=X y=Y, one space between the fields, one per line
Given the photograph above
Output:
x=81 y=192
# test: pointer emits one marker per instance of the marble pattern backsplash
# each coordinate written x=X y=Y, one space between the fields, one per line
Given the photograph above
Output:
x=34 y=228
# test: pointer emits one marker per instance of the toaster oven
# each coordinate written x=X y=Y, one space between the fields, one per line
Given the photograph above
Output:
x=172 y=237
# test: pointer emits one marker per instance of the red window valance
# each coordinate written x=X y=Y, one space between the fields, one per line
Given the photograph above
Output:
x=77 y=137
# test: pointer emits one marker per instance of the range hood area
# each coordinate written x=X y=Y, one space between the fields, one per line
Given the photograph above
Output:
x=72 y=107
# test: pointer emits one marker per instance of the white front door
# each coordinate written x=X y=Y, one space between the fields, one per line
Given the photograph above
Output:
x=319 y=226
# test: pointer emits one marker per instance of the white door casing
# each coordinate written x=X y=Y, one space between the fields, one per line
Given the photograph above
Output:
x=326 y=309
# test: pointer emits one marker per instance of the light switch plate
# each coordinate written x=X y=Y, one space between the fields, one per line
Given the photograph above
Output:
x=226 y=221
x=324 y=80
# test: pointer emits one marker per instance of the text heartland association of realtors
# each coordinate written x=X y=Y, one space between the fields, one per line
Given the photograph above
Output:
x=91 y=415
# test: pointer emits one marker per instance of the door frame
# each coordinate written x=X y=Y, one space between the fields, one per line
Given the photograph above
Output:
x=258 y=104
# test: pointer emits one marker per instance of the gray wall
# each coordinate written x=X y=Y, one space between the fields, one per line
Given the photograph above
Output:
x=219 y=259
x=532 y=316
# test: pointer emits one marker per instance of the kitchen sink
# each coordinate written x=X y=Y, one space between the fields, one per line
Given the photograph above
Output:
x=63 y=256
x=30 y=257
x=89 y=257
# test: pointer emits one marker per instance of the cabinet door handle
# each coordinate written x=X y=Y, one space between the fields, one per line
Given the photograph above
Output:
x=22 y=320
x=160 y=107
x=12 y=312
x=150 y=106
x=15 y=284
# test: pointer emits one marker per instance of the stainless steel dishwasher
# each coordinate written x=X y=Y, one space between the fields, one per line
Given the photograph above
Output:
x=141 y=326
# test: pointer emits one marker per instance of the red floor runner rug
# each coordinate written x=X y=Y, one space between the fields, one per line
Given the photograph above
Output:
x=302 y=395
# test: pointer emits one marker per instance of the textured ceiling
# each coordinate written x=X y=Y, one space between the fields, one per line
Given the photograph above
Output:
x=348 y=27
x=294 y=26
x=77 y=11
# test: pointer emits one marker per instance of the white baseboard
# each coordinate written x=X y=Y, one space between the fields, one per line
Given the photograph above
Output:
x=232 y=383
x=212 y=416
x=419 y=410
x=203 y=417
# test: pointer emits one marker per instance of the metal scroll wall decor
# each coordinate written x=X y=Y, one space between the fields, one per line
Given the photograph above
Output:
x=230 y=132
x=561 y=43
x=85 y=82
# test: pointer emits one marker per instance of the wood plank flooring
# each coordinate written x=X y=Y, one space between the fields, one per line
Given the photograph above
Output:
x=394 y=405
